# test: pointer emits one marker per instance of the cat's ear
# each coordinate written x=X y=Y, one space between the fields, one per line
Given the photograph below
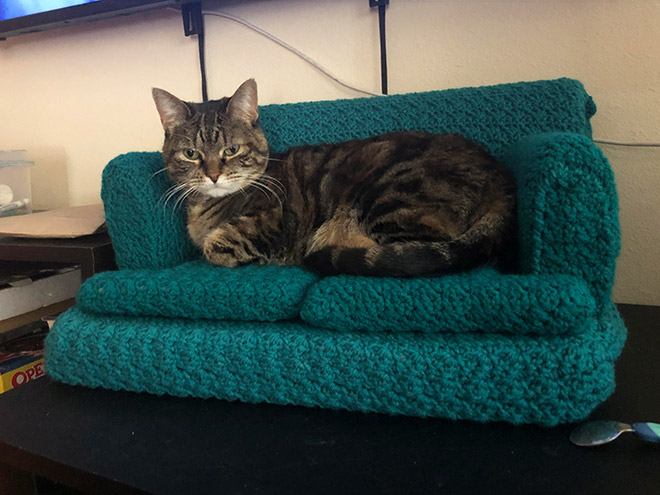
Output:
x=243 y=105
x=172 y=111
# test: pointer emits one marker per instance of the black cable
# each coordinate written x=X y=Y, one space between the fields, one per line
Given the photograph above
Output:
x=382 y=5
x=383 y=47
x=202 y=62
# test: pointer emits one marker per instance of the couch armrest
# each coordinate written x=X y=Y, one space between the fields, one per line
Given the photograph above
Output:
x=146 y=231
x=567 y=209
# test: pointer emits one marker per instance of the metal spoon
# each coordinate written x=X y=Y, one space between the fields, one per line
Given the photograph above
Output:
x=600 y=432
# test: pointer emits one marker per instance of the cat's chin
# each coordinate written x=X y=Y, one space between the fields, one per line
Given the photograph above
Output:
x=219 y=190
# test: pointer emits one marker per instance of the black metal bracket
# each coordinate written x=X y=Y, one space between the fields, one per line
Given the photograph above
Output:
x=193 y=22
x=382 y=4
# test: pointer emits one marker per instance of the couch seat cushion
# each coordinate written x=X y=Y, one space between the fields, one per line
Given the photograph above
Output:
x=480 y=300
x=199 y=290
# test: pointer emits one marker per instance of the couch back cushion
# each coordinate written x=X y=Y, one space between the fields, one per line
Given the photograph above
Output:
x=495 y=116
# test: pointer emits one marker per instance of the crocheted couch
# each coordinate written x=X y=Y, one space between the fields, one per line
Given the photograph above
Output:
x=537 y=346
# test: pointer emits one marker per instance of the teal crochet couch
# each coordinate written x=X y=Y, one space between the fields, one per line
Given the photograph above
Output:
x=535 y=346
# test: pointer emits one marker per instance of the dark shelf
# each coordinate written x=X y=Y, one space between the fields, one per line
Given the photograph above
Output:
x=93 y=252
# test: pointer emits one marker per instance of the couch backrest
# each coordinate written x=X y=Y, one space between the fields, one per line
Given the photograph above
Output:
x=148 y=234
x=496 y=116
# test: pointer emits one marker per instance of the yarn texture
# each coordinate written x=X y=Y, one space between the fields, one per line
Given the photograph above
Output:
x=483 y=377
x=481 y=300
x=567 y=209
x=537 y=346
x=199 y=290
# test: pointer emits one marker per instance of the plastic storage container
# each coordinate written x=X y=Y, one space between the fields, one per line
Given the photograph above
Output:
x=15 y=190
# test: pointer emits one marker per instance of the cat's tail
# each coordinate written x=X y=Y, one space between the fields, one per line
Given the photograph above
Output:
x=479 y=245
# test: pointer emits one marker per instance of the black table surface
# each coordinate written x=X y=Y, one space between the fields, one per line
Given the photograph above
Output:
x=115 y=442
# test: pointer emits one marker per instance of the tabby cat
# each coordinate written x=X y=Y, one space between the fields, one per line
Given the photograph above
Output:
x=399 y=204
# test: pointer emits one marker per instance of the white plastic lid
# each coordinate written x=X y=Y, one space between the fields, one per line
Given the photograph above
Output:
x=14 y=158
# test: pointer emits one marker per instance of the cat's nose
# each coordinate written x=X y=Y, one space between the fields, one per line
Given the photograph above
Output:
x=213 y=176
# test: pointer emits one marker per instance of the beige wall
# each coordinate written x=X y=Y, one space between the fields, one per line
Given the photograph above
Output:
x=77 y=97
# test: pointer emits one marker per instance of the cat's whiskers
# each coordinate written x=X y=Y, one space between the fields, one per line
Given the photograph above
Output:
x=273 y=182
x=233 y=179
x=181 y=199
x=238 y=179
x=269 y=186
x=251 y=184
x=267 y=157
x=247 y=180
x=188 y=188
x=171 y=192
x=268 y=181
x=164 y=169
x=174 y=188
x=263 y=187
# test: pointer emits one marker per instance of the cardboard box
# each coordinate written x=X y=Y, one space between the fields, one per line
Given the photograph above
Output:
x=22 y=360
x=20 y=325
x=31 y=293
x=63 y=223
x=20 y=370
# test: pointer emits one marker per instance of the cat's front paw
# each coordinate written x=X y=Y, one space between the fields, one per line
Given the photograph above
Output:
x=226 y=248
x=218 y=250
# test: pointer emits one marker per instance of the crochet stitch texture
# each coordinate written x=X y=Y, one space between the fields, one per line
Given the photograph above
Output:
x=483 y=377
x=199 y=290
x=533 y=347
x=480 y=300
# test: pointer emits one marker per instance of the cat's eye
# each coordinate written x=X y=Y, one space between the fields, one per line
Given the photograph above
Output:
x=192 y=154
x=232 y=150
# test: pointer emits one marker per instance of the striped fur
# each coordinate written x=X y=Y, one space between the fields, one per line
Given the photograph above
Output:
x=401 y=204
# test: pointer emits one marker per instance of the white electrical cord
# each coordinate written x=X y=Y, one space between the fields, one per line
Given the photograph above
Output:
x=284 y=44
x=325 y=71
x=631 y=145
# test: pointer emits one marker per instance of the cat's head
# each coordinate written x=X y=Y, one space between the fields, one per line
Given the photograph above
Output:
x=214 y=148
